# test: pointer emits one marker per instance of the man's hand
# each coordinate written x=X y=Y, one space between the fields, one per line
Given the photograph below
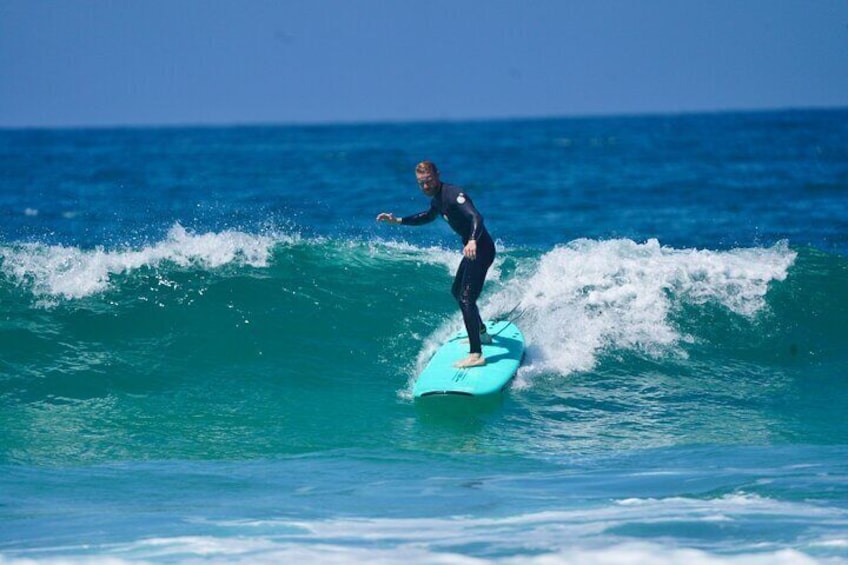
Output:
x=387 y=217
x=470 y=250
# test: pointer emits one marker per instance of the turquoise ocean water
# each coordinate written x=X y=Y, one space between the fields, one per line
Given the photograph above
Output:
x=208 y=345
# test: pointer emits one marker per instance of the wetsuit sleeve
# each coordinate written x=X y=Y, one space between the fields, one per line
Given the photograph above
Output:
x=421 y=217
x=475 y=219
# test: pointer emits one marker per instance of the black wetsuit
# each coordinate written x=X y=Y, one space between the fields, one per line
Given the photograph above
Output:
x=456 y=207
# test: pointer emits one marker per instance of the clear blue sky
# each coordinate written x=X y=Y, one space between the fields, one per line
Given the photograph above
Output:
x=101 y=62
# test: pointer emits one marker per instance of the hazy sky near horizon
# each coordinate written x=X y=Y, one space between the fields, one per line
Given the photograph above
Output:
x=160 y=62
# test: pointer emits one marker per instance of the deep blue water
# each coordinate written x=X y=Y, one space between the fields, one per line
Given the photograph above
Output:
x=207 y=344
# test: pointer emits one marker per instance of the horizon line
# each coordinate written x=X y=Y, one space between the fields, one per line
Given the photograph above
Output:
x=354 y=122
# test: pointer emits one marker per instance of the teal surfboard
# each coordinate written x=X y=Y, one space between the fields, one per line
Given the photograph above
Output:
x=503 y=357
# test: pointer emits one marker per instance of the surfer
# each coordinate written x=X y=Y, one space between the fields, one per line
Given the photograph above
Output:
x=478 y=251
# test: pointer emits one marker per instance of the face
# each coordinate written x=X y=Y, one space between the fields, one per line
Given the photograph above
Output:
x=428 y=182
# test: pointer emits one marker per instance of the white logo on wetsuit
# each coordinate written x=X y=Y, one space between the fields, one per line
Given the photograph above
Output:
x=460 y=199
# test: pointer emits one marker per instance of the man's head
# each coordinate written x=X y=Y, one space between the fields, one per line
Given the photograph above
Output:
x=427 y=176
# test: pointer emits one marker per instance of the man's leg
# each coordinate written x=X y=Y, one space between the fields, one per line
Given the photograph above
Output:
x=466 y=289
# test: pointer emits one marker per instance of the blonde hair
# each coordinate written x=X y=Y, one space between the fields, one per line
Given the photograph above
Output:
x=426 y=167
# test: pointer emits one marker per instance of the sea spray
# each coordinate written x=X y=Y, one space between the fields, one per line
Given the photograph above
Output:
x=586 y=297
x=70 y=272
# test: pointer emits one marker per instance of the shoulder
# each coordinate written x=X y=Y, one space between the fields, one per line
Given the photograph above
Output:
x=452 y=194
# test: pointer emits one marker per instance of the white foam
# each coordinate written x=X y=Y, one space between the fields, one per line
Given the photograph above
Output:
x=592 y=534
x=251 y=550
x=580 y=535
x=589 y=296
x=402 y=251
x=70 y=272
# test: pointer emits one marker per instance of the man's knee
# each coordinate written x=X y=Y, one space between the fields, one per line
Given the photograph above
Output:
x=466 y=299
x=457 y=294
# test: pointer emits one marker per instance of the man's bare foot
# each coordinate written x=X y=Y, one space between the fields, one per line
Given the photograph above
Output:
x=473 y=360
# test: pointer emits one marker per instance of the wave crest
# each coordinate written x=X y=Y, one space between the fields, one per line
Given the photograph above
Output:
x=56 y=271
x=588 y=296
